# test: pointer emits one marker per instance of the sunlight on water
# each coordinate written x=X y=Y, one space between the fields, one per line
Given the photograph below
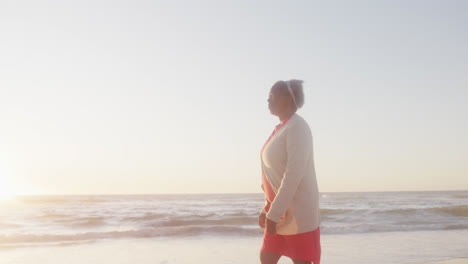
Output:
x=6 y=192
x=6 y=196
x=7 y=200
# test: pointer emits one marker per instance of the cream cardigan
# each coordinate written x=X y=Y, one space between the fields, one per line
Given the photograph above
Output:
x=288 y=162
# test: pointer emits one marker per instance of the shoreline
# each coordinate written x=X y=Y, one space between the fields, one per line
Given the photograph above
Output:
x=370 y=248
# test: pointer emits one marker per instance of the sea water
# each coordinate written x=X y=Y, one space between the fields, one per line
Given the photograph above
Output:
x=381 y=221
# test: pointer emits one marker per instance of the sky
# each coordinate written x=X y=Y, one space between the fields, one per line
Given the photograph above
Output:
x=130 y=97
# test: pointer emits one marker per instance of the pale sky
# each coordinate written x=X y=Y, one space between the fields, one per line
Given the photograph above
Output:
x=120 y=97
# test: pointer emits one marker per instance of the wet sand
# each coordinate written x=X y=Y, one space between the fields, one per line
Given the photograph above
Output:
x=422 y=247
x=450 y=261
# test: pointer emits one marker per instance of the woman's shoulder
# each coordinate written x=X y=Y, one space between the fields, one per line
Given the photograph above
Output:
x=298 y=122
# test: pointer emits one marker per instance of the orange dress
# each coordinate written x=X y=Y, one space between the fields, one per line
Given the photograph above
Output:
x=303 y=246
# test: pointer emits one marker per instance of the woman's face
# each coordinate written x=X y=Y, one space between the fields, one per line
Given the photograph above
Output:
x=278 y=101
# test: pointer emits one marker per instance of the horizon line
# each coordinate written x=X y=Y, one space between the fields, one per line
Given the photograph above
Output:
x=134 y=194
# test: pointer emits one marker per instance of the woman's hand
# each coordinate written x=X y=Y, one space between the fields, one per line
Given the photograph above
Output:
x=270 y=227
x=261 y=220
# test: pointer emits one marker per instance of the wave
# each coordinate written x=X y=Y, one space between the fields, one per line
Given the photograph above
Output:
x=89 y=221
x=53 y=215
x=40 y=201
x=79 y=219
x=21 y=239
x=350 y=198
x=151 y=219
x=378 y=228
x=145 y=217
x=204 y=221
x=141 y=233
x=73 y=221
x=65 y=243
x=92 y=200
x=49 y=200
x=458 y=210
x=8 y=225
x=456 y=227
x=327 y=211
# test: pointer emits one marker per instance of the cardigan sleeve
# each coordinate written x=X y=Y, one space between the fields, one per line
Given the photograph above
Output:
x=263 y=211
x=298 y=150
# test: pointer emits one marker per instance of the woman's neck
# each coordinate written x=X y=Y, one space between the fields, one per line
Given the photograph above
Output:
x=285 y=116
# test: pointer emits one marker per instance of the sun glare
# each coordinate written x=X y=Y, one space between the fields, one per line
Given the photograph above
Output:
x=6 y=194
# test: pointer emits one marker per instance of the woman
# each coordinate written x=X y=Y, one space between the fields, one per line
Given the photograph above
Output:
x=291 y=215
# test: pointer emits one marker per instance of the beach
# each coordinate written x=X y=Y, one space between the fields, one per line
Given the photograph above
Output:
x=450 y=261
x=391 y=247
x=150 y=132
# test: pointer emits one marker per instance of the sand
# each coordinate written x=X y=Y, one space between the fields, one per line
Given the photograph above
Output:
x=450 y=261
x=383 y=248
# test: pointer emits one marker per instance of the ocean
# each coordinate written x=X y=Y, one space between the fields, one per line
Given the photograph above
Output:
x=29 y=223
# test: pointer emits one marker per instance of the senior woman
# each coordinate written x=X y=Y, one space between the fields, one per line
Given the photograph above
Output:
x=291 y=214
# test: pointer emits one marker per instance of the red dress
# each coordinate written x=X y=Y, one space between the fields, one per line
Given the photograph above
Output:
x=303 y=246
